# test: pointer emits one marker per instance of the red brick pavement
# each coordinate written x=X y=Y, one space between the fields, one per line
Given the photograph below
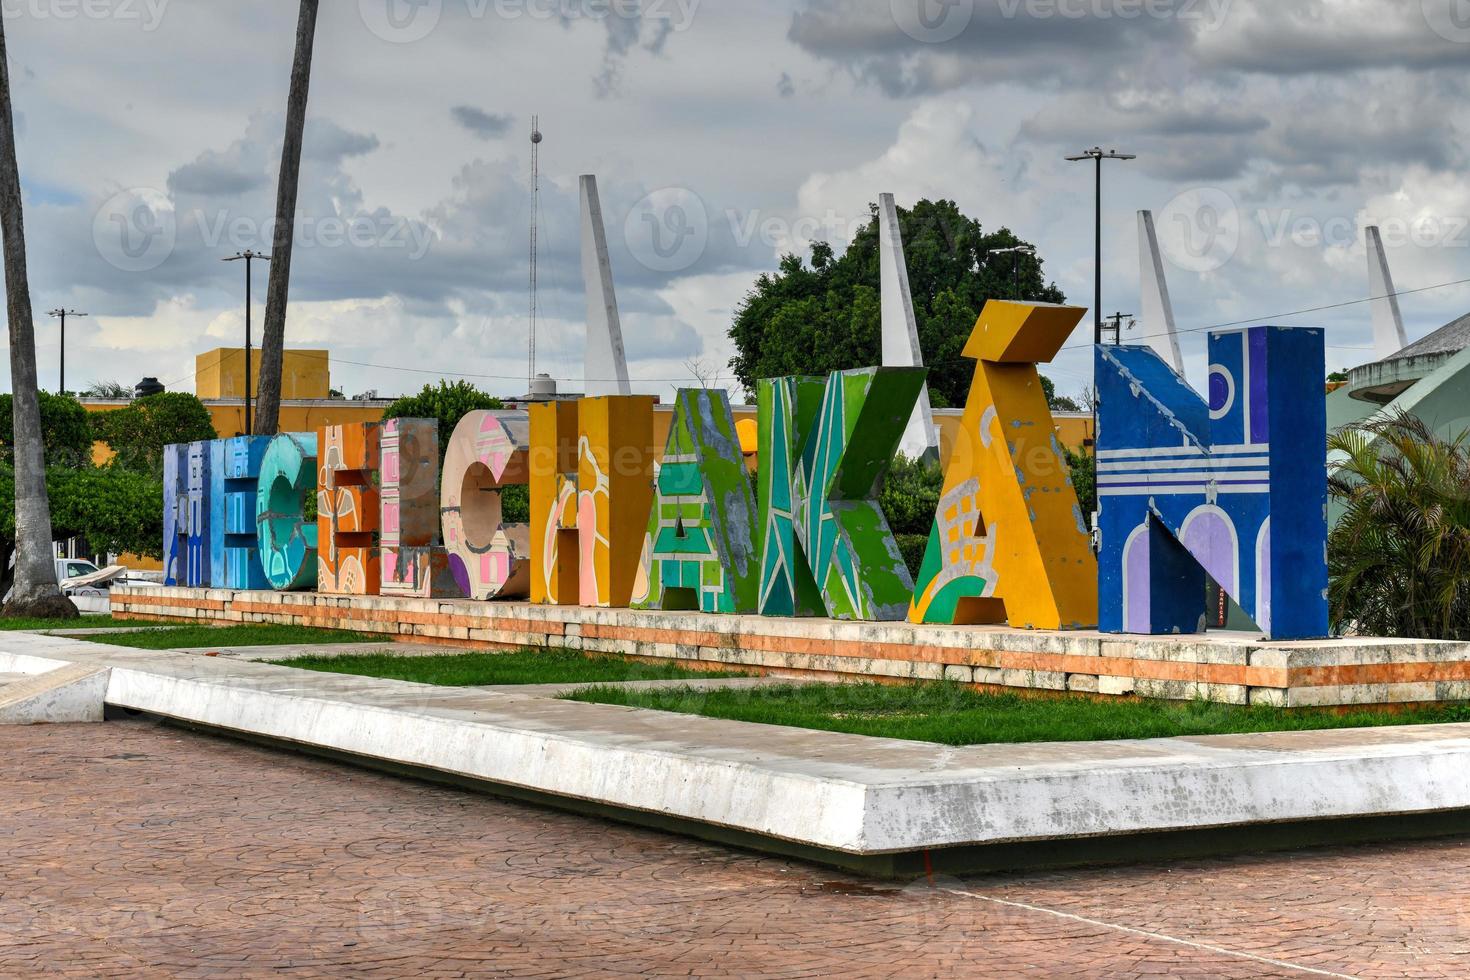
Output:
x=135 y=850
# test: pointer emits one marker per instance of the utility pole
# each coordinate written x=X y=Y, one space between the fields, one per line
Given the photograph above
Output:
x=1097 y=155
x=249 y=256
x=62 y=313
x=1117 y=327
x=534 y=283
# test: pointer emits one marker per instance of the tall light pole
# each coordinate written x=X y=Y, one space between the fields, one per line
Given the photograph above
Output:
x=1015 y=252
x=62 y=314
x=1097 y=155
x=249 y=257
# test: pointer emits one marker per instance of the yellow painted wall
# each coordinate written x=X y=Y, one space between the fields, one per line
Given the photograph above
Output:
x=220 y=373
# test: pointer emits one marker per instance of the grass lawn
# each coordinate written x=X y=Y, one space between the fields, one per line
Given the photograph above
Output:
x=85 y=623
x=182 y=637
x=955 y=715
x=475 y=669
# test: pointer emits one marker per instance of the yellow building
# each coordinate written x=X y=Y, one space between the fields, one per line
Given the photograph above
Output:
x=220 y=374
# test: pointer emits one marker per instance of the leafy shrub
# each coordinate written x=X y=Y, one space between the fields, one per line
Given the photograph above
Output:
x=448 y=403
x=137 y=434
x=910 y=495
x=1398 y=558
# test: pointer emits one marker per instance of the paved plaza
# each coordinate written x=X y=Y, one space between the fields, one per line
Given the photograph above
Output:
x=136 y=849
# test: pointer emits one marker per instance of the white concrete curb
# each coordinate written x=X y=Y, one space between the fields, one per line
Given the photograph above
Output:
x=845 y=793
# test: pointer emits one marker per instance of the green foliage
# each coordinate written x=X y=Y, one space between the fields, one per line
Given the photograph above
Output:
x=1399 y=556
x=66 y=430
x=137 y=434
x=112 y=390
x=448 y=403
x=953 y=714
x=910 y=495
x=253 y=635
x=826 y=317
x=112 y=509
x=1084 y=480
x=1056 y=402
x=478 y=669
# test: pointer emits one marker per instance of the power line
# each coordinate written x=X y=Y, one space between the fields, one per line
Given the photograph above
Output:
x=1213 y=326
x=1310 y=309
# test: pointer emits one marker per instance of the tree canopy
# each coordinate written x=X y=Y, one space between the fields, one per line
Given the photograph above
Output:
x=137 y=433
x=446 y=402
x=826 y=316
x=66 y=430
x=449 y=403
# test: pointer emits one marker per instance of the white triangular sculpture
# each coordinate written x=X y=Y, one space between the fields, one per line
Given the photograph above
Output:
x=1156 y=313
x=1388 y=325
x=900 y=331
x=606 y=364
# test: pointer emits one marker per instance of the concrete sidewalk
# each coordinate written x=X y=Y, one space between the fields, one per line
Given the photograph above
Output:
x=847 y=794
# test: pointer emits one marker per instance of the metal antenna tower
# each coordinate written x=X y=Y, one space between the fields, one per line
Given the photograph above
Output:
x=535 y=231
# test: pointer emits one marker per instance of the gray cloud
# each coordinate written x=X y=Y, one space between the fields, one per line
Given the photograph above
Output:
x=485 y=125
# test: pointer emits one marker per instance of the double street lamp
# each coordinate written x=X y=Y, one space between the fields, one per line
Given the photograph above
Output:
x=61 y=314
x=1015 y=252
x=249 y=257
x=1097 y=155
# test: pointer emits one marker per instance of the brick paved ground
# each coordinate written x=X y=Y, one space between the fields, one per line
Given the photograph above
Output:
x=130 y=849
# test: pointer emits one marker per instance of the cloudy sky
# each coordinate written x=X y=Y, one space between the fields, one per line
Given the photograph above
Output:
x=723 y=132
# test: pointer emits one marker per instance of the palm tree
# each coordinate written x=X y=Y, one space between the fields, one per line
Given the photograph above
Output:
x=1399 y=556
x=36 y=592
x=273 y=336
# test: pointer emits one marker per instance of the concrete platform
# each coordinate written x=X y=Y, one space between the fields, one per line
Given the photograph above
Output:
x=1234 y=668
x=830 y=794
x=57 y=693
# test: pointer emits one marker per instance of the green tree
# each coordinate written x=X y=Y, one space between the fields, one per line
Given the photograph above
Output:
x=448 y=403
x=1056 y=402
x=1084 y=480
x=910 y=499
x=826 y=316
x=137 y=434
x=1398 y=558
x=112 y=509
x=66 y=430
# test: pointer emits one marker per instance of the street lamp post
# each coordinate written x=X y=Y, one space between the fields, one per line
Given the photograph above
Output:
x=61 y=314
x=1097 y=155
x=249 y=257
x=1015 y=253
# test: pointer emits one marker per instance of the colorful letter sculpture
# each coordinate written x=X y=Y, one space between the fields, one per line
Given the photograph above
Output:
x=699 y=552
x=1009 y=543
x=786 y=412
x=591 y=492
x=348 y=509
x=235 y=562
x=487 y=557
x=287 y=539
x=838 y=525
x=175 y=513
x=555 y=576
x=186 y=514
x=1236 y=487
x=414 y=562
